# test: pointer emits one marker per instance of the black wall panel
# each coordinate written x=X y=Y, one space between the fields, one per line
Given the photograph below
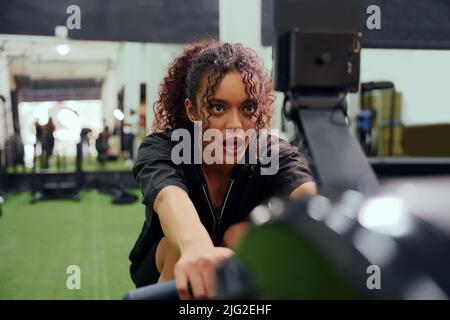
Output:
x=165 y=21
x=414 y=24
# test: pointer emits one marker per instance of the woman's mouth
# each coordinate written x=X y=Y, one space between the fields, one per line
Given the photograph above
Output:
x=233 y=145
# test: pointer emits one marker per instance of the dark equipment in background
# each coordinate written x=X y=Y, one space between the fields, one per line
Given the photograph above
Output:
x=10 y=148
x=63 y=185
x=328 y=249
x=329 y=246
x=3 y=162
x=13 y=149
x=302 y=22
x=318 y=61
x=317 y=58
x=120 y=194
x=163 y=291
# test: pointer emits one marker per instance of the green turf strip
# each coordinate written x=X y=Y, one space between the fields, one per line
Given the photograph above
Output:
x=39 y=241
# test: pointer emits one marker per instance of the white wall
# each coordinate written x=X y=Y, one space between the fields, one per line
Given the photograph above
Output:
x=157 y=59
x=129 y=73
x=240 y=21
x=137 y=63
x=109 y=96
x=423 y=76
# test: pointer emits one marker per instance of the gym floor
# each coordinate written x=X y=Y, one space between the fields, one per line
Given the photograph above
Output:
x=39 y=241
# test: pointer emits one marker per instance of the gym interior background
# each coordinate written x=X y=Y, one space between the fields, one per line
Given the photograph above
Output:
x=76 y=100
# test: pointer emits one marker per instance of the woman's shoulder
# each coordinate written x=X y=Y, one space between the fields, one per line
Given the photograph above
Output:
x=286 y=157
x=169 y=137
x=280 y=146
x=158 y=138
x=155 y=145
x=286 y=145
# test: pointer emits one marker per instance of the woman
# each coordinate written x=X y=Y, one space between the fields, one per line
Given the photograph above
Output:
x=197 y=212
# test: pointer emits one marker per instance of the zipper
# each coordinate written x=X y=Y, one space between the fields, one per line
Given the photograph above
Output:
x=225 y=201
x=210 y=208
x=215 y=219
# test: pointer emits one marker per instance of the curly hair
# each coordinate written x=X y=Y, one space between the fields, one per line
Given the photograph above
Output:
x=211 y=59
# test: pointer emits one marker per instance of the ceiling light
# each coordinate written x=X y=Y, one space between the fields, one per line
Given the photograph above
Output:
x=63 y=49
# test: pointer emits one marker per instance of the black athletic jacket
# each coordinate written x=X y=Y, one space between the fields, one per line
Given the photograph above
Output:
x=154 y=170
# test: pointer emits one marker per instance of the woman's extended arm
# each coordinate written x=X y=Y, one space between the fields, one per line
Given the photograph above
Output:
x=198 y=256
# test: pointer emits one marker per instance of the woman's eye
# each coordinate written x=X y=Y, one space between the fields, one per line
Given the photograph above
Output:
x=216 y=108
x=249 y=109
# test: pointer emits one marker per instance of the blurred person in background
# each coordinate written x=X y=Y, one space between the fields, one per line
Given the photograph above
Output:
x=101 y=145
x=39 y=141
x=85 y=136
x=49 y=141
x=133 y=122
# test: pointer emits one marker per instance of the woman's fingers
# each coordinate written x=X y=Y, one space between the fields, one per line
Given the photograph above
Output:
x=197 y=284
x=182 y=284
x=209 y=277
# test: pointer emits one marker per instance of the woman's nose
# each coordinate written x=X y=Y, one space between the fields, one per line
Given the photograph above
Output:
x=234 y=120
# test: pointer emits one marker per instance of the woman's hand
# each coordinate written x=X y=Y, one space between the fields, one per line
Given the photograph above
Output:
x=235 y=233
x=196 y=269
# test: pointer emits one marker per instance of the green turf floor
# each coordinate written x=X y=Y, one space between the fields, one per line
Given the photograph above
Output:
x=39 y=241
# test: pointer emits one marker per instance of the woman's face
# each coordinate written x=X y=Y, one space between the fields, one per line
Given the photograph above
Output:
x=230 y=111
